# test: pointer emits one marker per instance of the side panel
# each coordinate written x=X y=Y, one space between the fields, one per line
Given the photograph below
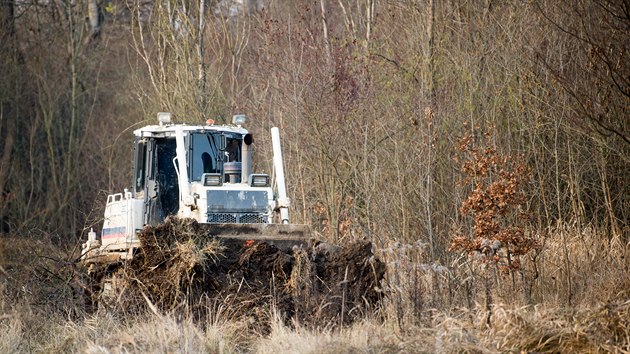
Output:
x=135 y=221
x=122 y=218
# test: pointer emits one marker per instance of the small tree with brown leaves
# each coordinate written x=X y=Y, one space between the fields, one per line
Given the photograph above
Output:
x=495 y=204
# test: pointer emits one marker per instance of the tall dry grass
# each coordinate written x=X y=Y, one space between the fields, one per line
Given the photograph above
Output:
x=106 y=334
x=515 y=329
x=428 y=307
x=576 y=267
x=581 y=266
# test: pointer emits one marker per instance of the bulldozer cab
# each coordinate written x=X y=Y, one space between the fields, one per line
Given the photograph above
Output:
x=156 y=171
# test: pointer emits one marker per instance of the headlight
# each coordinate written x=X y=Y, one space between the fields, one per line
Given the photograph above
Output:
x=259 y=180
x=211 y=179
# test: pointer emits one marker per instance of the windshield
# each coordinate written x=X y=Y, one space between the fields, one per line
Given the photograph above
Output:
x=208 y=151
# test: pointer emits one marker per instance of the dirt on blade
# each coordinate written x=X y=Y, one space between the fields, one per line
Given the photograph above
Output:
x=180 y=267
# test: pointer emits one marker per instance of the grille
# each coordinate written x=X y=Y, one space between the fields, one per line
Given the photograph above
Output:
x=222 y=218
x=217 y=218
x=252 y=219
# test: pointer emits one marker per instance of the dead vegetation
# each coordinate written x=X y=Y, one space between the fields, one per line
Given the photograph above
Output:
x=180 y=269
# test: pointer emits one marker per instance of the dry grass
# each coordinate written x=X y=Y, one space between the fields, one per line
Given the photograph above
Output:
x=428 y=309
x=163 y=334
x=11 y=331
x=601 y=329
x=363 y=337
x=525 y=329
x=154 y=334
x=605 y=328
x=582 y=266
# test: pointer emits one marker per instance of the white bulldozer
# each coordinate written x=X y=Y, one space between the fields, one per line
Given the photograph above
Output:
x=201 y=172
x=198 y=226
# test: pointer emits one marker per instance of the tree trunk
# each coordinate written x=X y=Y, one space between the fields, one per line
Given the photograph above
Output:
x=95 y=20
x=8 y=96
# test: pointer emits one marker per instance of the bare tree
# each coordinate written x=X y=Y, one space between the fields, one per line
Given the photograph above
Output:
x=10 y=93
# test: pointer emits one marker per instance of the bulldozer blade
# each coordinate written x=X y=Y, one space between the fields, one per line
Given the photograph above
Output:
x=283 y=236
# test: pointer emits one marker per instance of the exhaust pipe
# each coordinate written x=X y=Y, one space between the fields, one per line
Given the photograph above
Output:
x=283 y=201
x=246 y=158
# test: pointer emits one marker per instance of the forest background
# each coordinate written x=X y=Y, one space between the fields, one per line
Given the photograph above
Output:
x=434 y=129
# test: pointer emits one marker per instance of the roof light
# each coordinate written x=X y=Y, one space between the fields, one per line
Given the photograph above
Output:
x=239 y=119
x=164 y=117
x=210 y=121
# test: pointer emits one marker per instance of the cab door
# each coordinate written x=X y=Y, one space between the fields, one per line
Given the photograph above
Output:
x=161 y=187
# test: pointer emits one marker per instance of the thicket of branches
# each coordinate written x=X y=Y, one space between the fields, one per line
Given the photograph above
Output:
x=371 y=97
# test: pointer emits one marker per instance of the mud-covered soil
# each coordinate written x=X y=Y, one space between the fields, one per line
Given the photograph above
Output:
x=180 y=268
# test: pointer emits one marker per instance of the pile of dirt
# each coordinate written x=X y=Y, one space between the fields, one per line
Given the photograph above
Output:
x=180 y=267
